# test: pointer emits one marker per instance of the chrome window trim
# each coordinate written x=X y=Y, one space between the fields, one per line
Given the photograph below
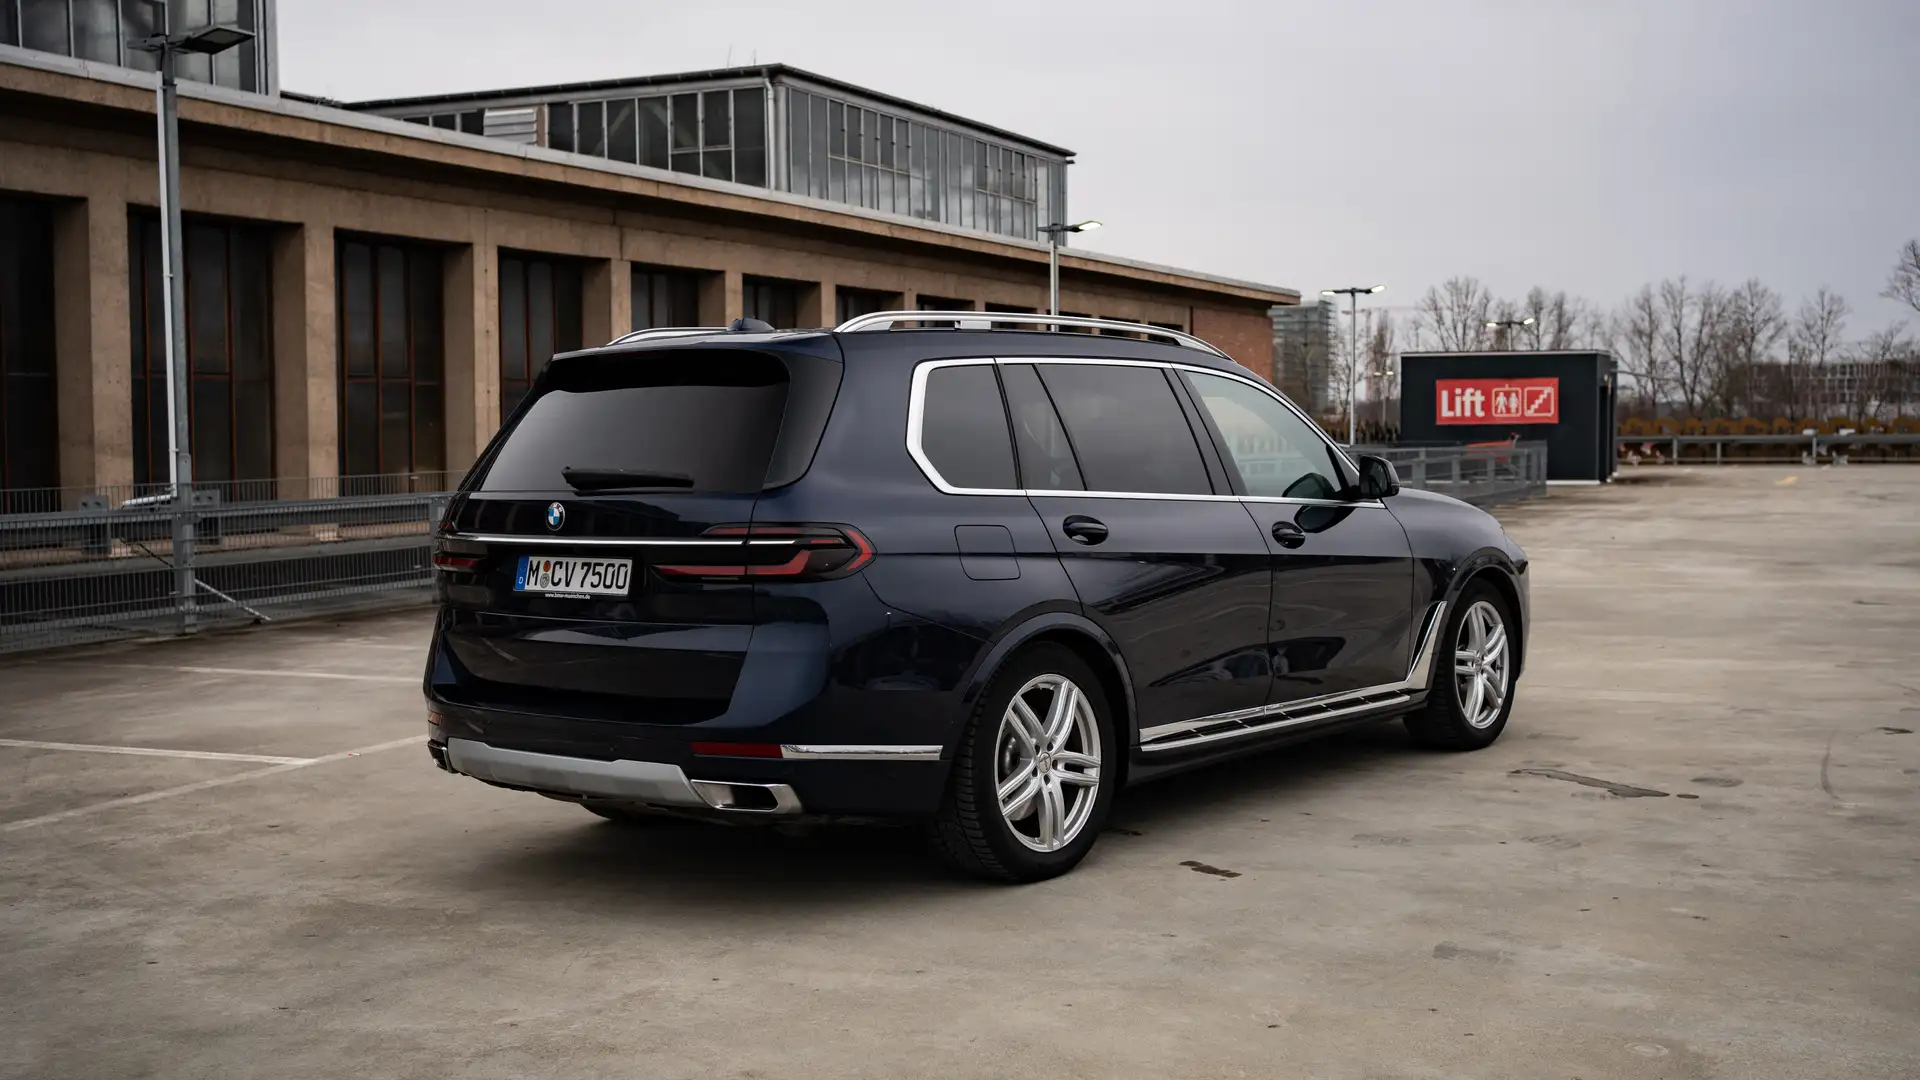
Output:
x=1309 y=710
x=916 y=414
x=861 y=752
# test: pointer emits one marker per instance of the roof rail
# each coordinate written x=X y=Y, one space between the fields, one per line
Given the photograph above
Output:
x=986 y=320
x=667 y=331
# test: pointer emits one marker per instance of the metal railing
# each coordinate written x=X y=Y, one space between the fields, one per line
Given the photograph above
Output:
x=96 y=565
x=1768 y=449
x=1482 y=475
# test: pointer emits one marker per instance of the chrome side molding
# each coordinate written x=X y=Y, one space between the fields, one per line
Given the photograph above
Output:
x=1286 y=714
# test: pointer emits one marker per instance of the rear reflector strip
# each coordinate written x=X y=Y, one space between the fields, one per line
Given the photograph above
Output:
x=737 y=749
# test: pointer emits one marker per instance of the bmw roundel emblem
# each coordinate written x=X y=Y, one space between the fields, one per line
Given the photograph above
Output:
x=556 y=516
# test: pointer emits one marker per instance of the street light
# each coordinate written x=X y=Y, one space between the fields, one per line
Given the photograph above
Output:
x=1508 y=326
x=1353 y=295
x=1053 y=233
x=207 y=41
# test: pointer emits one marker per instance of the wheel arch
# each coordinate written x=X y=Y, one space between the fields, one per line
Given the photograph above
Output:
x=1502 y=582
x=1087 y=641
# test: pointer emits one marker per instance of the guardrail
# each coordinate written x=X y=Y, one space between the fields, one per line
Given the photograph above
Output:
x=103 y=568
x=1482 y=475
x=1768 y=449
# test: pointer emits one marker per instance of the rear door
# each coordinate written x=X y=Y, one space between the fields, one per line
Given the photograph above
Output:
x=1343 y=610
x=1175 y=571
x=618 y=469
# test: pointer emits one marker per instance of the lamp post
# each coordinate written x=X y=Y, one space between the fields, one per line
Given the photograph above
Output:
x=207 y=40
x=1504 y=328
x=1053 y=233
x=1353 y=294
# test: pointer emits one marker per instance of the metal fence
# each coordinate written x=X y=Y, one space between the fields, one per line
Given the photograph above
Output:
x=1482 y=475
x=1769 y=449
x=97 y=564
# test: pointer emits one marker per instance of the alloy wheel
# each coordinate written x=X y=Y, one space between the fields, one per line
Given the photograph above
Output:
x=1481 y=665
x=1047 y=763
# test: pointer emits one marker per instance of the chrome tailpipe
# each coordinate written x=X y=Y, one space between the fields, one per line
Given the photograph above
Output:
x=772 y=799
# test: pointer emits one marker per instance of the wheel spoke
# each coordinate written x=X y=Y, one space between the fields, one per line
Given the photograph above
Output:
x=1016 y=795
x=1081 y=779
x=1496 y=692
x=1052 y=814
x=1471 y=706
x=1026 y=727
x=1496 y=641
x=1465 y=663
x=1066 y=706
x=1074 y=757
x=1477 y=631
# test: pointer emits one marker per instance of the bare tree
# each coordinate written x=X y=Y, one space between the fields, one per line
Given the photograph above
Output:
x=1877 y=387
x=1559 y=321
x=1637 y=329
x=1814 y=341
x=1688 y=327
x=1904 y=283
x=1455 y=313
x=1382 y=359
x=1752 y=329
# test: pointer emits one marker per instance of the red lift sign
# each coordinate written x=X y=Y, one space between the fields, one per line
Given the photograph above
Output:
x=1498 y=401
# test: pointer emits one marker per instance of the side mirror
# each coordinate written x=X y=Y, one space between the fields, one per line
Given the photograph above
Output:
x=1378 y=480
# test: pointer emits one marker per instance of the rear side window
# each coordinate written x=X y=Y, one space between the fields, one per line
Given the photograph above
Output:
x=695 y=421
x=963 y=428
x=1127 y=429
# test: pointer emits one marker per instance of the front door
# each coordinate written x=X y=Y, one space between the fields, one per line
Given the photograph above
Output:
x=1175 y=573
x=1342 y=617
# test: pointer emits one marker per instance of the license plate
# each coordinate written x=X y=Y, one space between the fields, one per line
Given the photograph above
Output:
x=573 y=577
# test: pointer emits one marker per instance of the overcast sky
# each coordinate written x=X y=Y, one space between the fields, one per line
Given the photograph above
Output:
x=1590 y=145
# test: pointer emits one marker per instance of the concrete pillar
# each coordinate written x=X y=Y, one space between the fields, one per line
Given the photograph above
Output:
x=910 y=301
x=607 y=293
x=471 y=279
x=306 y=359
x=92 y=336
x=720 y=298
x=819 y=305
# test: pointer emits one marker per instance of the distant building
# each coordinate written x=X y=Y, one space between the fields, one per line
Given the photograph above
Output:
x=1303 y=352
x=1864 y=388
x=773 y=126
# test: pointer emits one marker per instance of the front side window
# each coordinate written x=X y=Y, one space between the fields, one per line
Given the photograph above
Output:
x=1127 y=429
x=1276 y=453
x=963 y=428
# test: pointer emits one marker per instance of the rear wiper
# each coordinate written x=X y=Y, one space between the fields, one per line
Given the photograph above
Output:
x=588 y=479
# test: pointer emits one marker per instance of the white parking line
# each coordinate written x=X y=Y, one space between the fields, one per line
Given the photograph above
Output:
x=155 y=751
x=188 y=789
x=409 y=680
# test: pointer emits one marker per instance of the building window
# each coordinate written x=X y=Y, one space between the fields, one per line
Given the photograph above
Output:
x=774 y=302
x=29 y=441
x=853 y=303
x=841 y=151
x=392 y=404
x=540 y=306
x=665 y=298
x=99 y=30
x=229 y=351
x=718 y=134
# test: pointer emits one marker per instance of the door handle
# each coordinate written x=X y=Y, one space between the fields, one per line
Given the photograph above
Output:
x=1082 y=529
x=1288 y=535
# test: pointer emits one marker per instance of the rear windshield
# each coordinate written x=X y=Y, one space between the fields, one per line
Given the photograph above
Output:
x=692 y=421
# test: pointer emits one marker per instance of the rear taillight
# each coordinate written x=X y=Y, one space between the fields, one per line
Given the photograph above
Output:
x=448 y=558
x=775 y=552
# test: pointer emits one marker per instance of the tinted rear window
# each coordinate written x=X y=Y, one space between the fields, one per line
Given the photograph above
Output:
x=963 y=428
x=712 y=417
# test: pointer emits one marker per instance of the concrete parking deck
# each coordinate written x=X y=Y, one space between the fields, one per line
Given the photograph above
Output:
x=290 y=890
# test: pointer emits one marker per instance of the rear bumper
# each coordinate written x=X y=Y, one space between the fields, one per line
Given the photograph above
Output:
x=597 y=760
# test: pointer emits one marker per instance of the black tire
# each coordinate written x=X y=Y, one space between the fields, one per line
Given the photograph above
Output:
x=623 y=815
x=1442 y=723
x=970 y=833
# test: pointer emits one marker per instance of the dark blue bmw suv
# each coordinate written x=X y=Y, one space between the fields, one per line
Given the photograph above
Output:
x=921 y=567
